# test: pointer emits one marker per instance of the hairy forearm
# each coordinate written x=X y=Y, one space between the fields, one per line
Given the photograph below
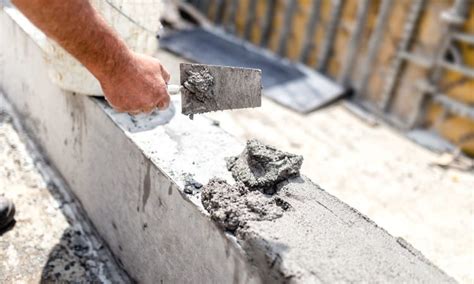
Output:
x=131 y=82
x=79 y=29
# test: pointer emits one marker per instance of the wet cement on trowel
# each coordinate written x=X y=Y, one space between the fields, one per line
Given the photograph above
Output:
x=198 y=89
x=258 y=172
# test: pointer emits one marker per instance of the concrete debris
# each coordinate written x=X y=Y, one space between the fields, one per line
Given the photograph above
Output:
x=232 y=206
x=191 y=186
x=262 y=167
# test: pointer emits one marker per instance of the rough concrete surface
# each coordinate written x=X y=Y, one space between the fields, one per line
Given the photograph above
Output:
x=48 y=243
x=232 y=206
x=321 y=240
x=377 y=171
x=302 y=234
x=258 y=171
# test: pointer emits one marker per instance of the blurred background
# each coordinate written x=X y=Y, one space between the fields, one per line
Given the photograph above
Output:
x=408 y=62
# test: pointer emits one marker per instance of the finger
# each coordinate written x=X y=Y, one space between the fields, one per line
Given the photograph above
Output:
x=124 y=110
x=166 y=75
x=117 y=109
x=134 y=112
x=162 y=96
x=164 y=101
x=148 y=110
x=163 y=104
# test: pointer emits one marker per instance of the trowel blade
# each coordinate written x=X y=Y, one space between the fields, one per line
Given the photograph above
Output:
x=232 y=88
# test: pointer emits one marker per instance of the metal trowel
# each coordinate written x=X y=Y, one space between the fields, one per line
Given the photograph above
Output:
x=206 y=88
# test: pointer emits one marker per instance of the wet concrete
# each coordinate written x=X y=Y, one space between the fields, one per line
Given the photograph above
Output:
x=232 y=206
x=198 y=92
x=208 y=88
x=262 y=167
x=200 y=83
x=257 y=170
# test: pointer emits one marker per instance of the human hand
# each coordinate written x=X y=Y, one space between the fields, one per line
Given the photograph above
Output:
x=137 y=85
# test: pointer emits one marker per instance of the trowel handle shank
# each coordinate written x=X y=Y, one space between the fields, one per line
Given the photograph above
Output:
x=174 y=89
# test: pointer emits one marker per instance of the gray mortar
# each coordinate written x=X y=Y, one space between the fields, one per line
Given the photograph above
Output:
x=262 y=167
x=199 y=85
x=232 y=206
x=258 y=172
x=208 y=88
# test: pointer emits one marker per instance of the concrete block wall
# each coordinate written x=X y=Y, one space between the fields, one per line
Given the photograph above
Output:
x=129 y=175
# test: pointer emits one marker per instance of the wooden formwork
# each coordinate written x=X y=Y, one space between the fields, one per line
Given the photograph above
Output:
x=408 y=61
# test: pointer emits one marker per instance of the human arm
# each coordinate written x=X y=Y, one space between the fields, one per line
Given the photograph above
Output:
x=131 y=82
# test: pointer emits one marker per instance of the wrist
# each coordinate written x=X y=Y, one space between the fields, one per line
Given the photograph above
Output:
x=114 y=64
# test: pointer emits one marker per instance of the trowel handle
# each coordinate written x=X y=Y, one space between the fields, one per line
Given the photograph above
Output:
x=174 y=89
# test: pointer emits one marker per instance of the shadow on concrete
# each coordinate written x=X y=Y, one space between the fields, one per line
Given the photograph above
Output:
x=267 y=256
x=79 y=257
x=73 y=259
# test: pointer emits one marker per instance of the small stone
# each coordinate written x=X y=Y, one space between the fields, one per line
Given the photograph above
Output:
x=188 y=190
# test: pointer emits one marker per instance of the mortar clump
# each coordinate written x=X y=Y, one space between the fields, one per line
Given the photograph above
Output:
x=232 y=206
x=199 y=83
x=258 y=171
x=263 y=167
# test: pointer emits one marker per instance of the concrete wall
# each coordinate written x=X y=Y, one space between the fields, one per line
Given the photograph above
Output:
x=155 y=232
x=129 y=173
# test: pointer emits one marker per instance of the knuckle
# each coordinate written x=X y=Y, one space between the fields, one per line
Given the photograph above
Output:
x=135 y=112
x=165 y=74
x=164 y=103
x=149 y=109
x=117 y=108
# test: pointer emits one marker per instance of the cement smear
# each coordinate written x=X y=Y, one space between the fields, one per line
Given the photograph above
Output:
x=262 y=167
x=254 y=197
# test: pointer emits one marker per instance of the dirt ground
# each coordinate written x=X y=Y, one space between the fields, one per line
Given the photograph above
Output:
x=48 y=242
x=379 y=172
